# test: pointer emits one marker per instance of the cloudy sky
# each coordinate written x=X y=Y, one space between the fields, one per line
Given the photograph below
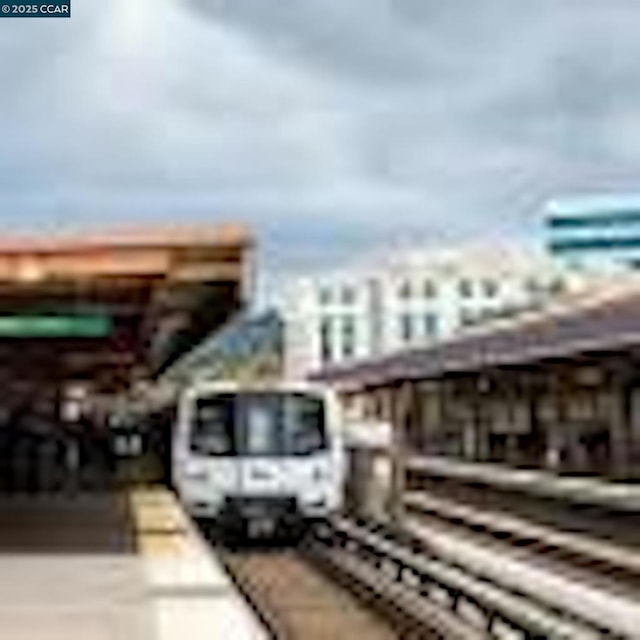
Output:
x=331 y=126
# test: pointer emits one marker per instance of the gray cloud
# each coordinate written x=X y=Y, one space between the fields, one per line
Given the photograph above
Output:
x=331 y=126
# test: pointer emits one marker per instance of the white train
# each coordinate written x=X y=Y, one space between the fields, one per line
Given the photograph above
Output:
x=258 y=456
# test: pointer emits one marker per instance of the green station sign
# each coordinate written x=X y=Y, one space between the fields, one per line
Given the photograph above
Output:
x=55 y=326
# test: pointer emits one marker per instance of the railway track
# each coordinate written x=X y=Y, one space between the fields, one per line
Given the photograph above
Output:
x=296 y=600
x=351 y=579
x=570 y=507
x=604 y=563
x=467 y=596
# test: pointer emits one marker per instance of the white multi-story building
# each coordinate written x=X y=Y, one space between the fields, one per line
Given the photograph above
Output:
x=411 y=299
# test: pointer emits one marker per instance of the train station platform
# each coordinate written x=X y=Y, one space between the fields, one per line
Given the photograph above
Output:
x=125 y=566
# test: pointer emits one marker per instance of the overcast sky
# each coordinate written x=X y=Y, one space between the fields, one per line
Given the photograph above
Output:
x=331 y=126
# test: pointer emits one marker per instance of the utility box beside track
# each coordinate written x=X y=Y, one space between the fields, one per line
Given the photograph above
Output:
x=368 y=484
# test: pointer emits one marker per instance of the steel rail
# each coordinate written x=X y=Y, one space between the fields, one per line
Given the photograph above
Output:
x=434 y=587
x=592 y=554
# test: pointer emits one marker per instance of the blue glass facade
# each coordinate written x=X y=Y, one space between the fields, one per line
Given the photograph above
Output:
x=604 y=219
x=594 y=244
x=595 y=232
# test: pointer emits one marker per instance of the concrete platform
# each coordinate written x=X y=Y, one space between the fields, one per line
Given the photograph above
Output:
x=112 y=567
x=191 y=595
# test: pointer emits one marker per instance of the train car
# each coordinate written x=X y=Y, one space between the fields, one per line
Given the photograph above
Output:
x=259 y=457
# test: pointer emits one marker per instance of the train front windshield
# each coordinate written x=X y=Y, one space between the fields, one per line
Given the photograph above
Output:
x=259 y=424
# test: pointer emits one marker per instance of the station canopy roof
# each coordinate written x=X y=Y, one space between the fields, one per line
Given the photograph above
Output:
x=246 y=343
x=607 y=322
x=108 y=305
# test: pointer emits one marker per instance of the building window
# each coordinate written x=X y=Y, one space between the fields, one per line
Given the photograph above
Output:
x=348 y=336
x=532 y=286
x=348 y=295
x=467 y=317
x=488 y=314
x=490 y=288
x=557 y=286
x=429 y=289
x=326 y=350
x=405 y=290
x=325 y=296
x=465 y=288
x=406 y=327
x=430 y=325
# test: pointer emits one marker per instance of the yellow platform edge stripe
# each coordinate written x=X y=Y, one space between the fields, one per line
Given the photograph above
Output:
x=159 y=525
